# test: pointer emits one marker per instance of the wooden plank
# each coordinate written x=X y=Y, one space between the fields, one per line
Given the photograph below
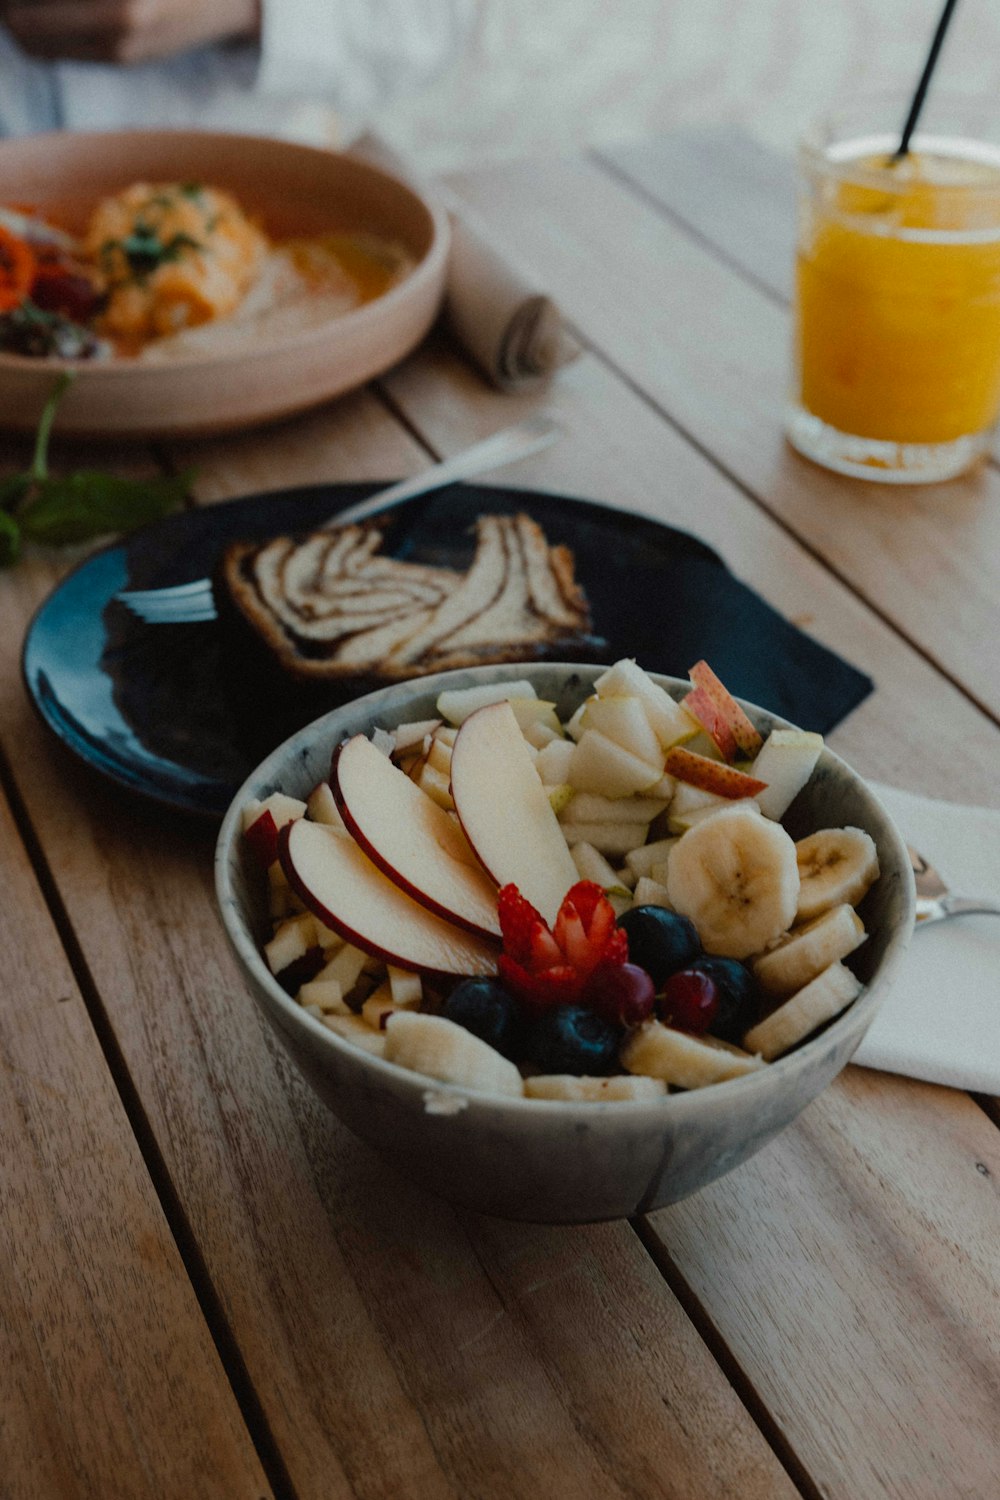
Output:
x=711 y=350
x=736 y=195
x=833 y=1238
x=111 y=1385
x=394 y=1346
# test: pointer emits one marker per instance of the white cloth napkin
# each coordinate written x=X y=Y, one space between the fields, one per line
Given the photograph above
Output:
x=512 y=330
x=941 y=1019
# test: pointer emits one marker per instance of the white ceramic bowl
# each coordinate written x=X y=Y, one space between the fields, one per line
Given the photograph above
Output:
x=543 y=1160
x=293 y=189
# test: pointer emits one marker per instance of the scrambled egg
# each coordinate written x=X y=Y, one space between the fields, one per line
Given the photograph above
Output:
x=173 y=256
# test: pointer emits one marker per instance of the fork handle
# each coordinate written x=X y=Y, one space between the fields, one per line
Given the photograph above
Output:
x=955 y=906
x=502 y=448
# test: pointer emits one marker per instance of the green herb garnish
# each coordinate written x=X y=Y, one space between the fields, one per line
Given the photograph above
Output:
x=144 y=251
x=85 y=504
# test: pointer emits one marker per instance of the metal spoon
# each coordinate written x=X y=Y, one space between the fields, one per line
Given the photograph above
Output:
x=935 y=902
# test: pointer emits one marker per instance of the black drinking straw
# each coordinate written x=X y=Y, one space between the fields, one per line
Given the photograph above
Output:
x=918 y=98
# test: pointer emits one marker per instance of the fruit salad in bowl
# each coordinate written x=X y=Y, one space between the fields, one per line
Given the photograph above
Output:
x=567 y=941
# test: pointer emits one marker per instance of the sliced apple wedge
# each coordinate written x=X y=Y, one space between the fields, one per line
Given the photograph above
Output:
x=712 y=775
x=670 y=723
x=786 y=762
x=412 y=839
x=747 y=737
x=623 y=720
x=456 y=704
x=342 y=887
x=599 y=765
x=505 y=811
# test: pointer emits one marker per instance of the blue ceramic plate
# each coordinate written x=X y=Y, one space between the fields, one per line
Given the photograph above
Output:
x=176 y=713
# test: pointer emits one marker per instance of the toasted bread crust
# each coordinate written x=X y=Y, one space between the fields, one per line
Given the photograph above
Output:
x=335 y=611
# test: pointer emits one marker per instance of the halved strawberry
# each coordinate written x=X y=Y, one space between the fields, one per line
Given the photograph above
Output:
x=544 y=967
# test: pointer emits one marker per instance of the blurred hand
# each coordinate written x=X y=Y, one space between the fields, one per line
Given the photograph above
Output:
x=125 y=31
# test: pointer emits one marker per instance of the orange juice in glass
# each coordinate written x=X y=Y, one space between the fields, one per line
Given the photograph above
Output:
x=897 y=306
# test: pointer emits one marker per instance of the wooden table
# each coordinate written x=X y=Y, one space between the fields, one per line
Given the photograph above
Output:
x=210 y=1288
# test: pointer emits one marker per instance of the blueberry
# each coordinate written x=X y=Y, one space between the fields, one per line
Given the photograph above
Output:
x=739 y=995
x=489 y=1011
x=574 y=1039
x=660 y=941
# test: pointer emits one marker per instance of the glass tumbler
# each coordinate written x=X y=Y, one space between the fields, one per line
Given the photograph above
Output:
x=897 y=297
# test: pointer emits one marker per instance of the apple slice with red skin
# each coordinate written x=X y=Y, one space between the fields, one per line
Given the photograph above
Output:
x=711 y=775
x=505 y=811
x=747 y=738
x=262 y=838
x=411 y=838
x=338 y=883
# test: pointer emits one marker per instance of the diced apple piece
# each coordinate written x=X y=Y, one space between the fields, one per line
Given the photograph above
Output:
x=411 y=736
x=439 y=757
x=649 y=892
x=641 y=861
x=531 y=713
x=658 y=871
x=743 y=731
x=341 y=886
x=712 y=719
x=560 y=797
x=786 y=762
x=669 y=722
x=662 y=790
x=505 y=810
x=436 y=784
x=326 y=994
x=353 y=1029
x=263 y=821
x=703 y=744
x=552 y=762
x=592 y=865
x=683 y=821
x=712 y=776
x=406 y=988
x=540 y=735
x=456 y=704
x=600 y=765
x=622 y=719
x=292 y=939
x=379 y=1007
x=345 y=967
x=574 y=724
x=321 y=807
x=609 y=838
x=590 y=807
x=446 y=733
x=412 y=839
x=250 y=812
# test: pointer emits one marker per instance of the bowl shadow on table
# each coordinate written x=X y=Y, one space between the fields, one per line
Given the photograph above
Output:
x=541 y=1160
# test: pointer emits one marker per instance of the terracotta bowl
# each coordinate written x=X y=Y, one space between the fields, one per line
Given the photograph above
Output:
x=543 y=1160
x=294 y=190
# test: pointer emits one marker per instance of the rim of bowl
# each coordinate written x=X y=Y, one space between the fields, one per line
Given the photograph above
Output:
x=677 y=1103
x=428 y=268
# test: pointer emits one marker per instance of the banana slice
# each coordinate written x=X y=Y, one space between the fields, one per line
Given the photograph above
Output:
x=735 y=875
x=438 y=1048
x=687 y=1062
x=835 y=865
x=808 y=950
x=822 y=999
x=584 y=1090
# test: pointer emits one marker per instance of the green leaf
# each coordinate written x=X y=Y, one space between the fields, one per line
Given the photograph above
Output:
x=10 y=540
x=40 y=461
x=89 y=503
